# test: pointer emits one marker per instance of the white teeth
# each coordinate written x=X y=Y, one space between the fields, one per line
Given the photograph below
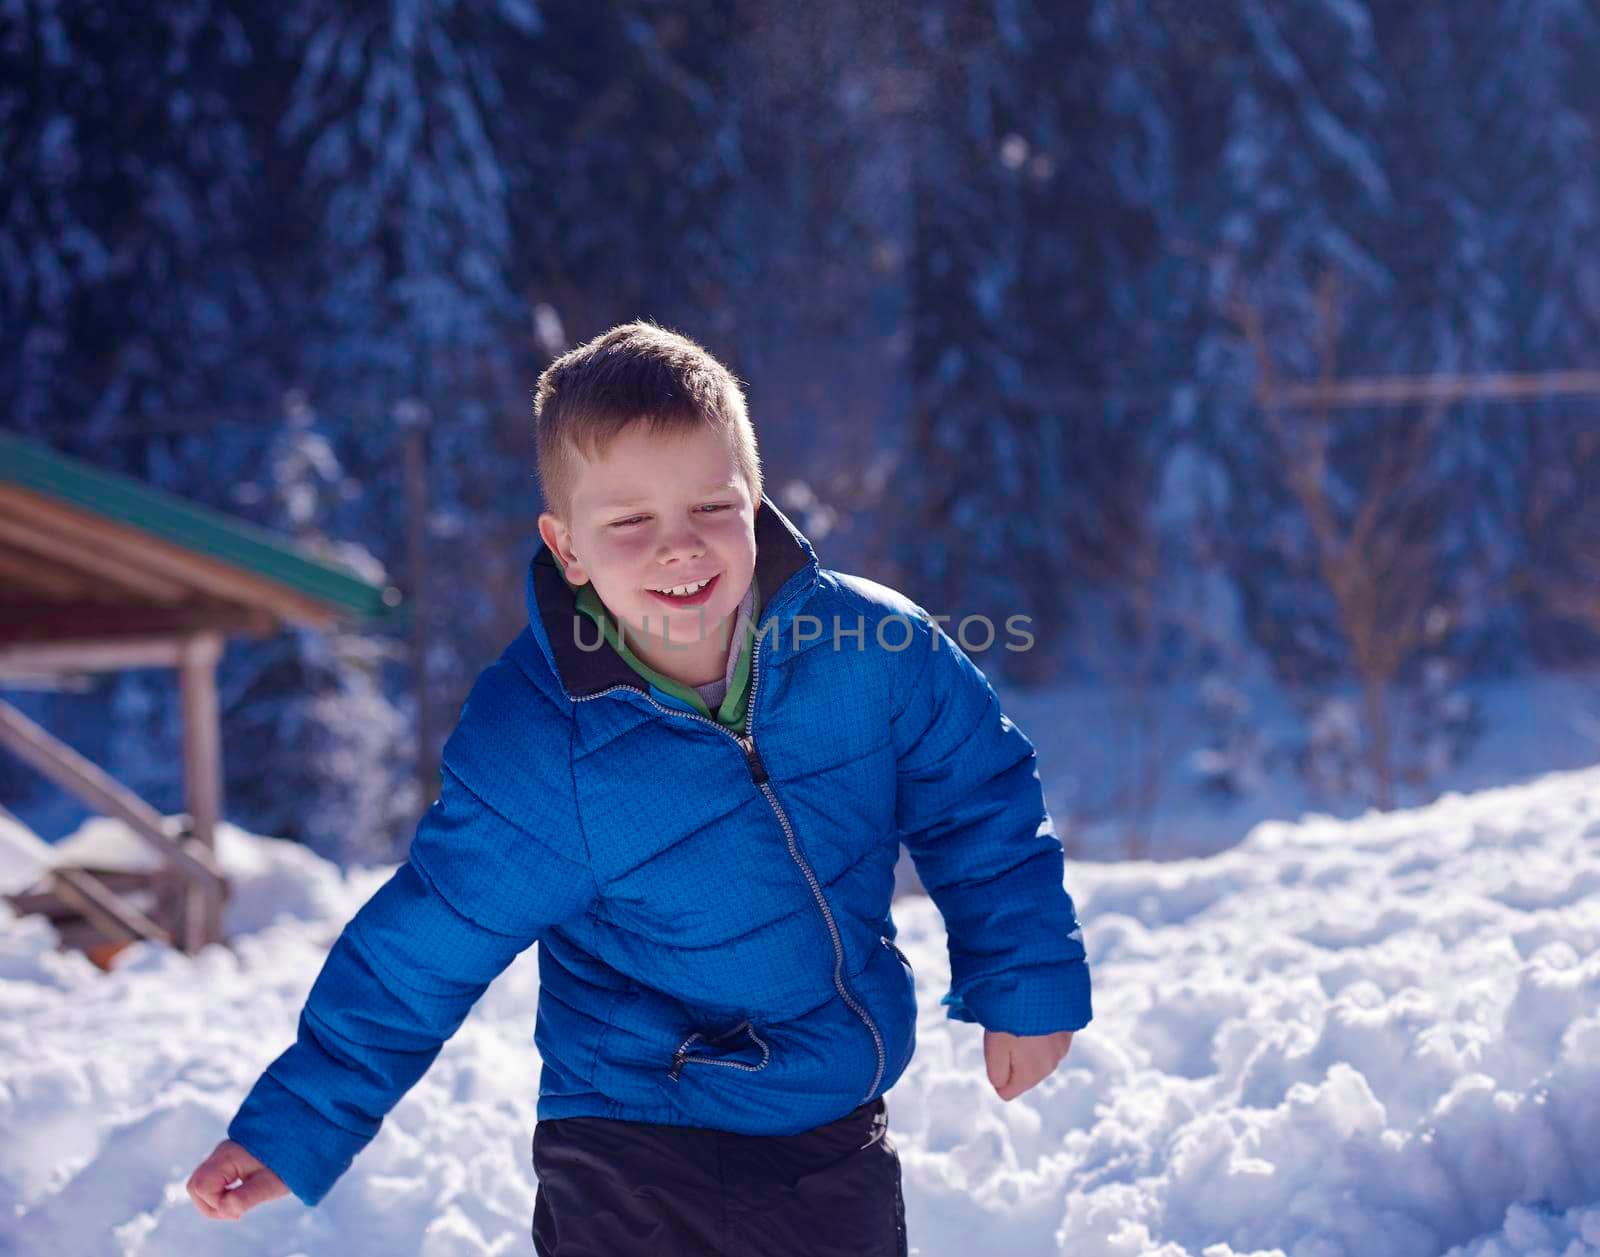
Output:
x=681 y=591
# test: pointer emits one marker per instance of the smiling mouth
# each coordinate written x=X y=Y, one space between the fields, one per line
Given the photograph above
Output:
x=697 y=593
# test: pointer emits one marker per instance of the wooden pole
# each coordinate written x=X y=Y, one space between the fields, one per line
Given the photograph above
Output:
x=413 y=418
x=202 y=779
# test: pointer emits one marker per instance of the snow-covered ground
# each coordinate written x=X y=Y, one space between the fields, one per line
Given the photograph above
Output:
x=1376 y=1037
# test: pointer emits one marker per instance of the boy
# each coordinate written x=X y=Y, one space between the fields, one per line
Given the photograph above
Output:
x=688 y=779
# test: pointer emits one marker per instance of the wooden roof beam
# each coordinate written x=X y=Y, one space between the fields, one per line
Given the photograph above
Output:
x=123 y=571
x=69 y=625
x=32 y=660
x=149 y=553
x=20 y=569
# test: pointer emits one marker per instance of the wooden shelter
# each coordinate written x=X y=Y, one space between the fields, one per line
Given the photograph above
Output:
x=100 y=572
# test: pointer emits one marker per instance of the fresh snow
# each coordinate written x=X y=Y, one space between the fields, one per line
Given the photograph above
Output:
x=1377 y=1036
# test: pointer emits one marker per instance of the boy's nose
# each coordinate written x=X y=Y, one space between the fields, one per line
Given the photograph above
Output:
x=684 y=544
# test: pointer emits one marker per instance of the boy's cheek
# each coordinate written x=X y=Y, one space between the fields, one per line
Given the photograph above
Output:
x=615 y=557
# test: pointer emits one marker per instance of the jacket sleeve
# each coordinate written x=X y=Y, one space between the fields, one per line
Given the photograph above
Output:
x=971 y=811
x=474 y=891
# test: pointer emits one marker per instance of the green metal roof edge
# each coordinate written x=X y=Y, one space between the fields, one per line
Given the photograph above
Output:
x=125 y=500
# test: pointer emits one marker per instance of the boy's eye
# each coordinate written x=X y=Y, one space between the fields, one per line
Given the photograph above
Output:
x=708 y=508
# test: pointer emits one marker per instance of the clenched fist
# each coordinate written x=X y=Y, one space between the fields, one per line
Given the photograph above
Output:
x=211 y=1185
x=1018 y=1061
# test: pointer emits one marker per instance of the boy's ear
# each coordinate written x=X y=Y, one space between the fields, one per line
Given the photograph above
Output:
x=559 y=539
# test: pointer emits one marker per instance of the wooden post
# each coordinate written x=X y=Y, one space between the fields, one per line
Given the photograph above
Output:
x=202 y=779
x=413 y=418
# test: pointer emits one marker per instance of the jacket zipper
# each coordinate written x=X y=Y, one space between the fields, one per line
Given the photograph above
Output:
x=906 y=960
x=758 y=775
x=681 y=1056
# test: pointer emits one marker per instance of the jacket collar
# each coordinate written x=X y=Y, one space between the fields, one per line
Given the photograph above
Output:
x=782 y=554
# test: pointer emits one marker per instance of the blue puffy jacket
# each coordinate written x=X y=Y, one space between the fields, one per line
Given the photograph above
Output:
x=712 y=908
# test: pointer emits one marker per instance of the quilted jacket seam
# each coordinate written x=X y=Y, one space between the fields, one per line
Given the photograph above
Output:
x=1041 y=853
x=966 y=736
x=911 y=691
x=832 y=768
x=805 y=907
x=709 y=824
x=585 y=752
x=396 y=984
x=866 y=855
x=331 y=1122
x=534 y=681
x=577 y=810
x=600 y=1039
x=327 y=1042
x=988 y=707
x=530 y=835
x=570 y=1006
x=432 y=883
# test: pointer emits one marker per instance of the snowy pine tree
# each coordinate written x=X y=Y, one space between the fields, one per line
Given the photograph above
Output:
x=317 y=750
x=131 y=192
x=1018 y=474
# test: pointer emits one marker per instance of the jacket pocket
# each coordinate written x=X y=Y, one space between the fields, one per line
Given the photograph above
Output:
x=739 y=1048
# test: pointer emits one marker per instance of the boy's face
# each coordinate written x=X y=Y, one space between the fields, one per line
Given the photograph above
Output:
x=655 y=511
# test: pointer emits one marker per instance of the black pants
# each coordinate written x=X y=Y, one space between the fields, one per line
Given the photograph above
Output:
x=636 y=1189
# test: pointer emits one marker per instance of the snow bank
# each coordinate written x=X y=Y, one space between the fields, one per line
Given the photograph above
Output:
x=1376 y=1037
x=1368 y=1037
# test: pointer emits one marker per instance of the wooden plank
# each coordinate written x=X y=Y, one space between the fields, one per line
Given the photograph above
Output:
x=105 y=911
x=204 y=575
x=21 y=624
x=80 y=553
x=103 y=793
x=122 y=882
x=1392 y=390
x=35 y=903
x=78 y=934
x=202 y=777
x=46 y=659
x=22 y=571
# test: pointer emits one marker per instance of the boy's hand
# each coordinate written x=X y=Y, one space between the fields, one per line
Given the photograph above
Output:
x=209 y=1184
x=1018 y=1061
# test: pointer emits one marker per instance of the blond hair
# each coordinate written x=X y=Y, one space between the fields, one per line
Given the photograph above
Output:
x=635 y=373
